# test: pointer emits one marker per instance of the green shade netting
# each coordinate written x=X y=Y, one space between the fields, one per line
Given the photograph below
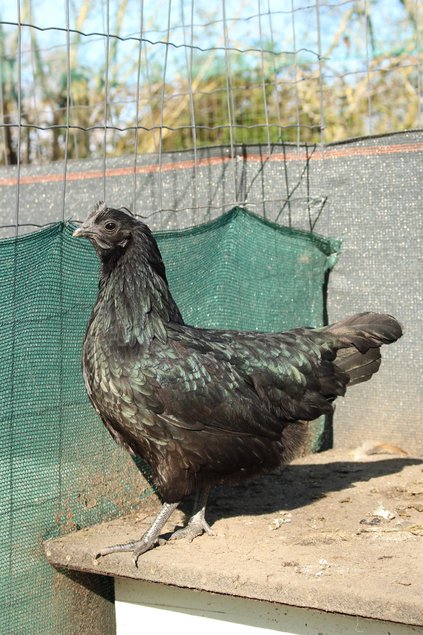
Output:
x=59 y=468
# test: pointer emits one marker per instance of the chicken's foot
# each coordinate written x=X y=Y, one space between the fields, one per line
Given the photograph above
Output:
x=148 y=540
x=197 y=524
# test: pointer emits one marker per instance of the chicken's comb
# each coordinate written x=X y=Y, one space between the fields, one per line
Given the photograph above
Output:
x=99 y=207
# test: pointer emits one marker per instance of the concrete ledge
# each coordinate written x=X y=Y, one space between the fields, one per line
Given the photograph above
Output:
x=329 y=532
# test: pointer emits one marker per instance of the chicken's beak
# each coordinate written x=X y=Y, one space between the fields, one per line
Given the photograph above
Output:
x=82 y=232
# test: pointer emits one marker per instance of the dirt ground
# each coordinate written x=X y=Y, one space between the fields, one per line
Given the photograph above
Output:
x=340 y=531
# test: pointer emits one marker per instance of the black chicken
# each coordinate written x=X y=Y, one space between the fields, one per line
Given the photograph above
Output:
x=204 y=406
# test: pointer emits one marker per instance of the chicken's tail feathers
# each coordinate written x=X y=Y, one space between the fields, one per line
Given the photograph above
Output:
x=366 y=330
x=359 y=339
x=358 y=366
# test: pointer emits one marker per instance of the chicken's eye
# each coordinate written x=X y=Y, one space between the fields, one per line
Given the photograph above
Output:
x=110 y=226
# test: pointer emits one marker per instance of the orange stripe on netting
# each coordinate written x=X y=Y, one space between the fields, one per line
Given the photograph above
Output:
x=337 y=153
x=99 y=174
x=292 y=155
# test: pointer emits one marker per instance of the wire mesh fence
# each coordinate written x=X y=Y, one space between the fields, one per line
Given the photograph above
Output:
x=89 y=80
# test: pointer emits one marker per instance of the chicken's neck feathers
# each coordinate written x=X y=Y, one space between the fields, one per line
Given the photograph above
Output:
x=134 y=301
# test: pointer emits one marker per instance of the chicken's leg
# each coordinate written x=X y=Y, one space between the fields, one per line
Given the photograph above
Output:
x=197 y=523
x=148 y=540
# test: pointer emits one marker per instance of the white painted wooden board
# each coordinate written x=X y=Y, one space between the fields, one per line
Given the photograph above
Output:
x=143 y=607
